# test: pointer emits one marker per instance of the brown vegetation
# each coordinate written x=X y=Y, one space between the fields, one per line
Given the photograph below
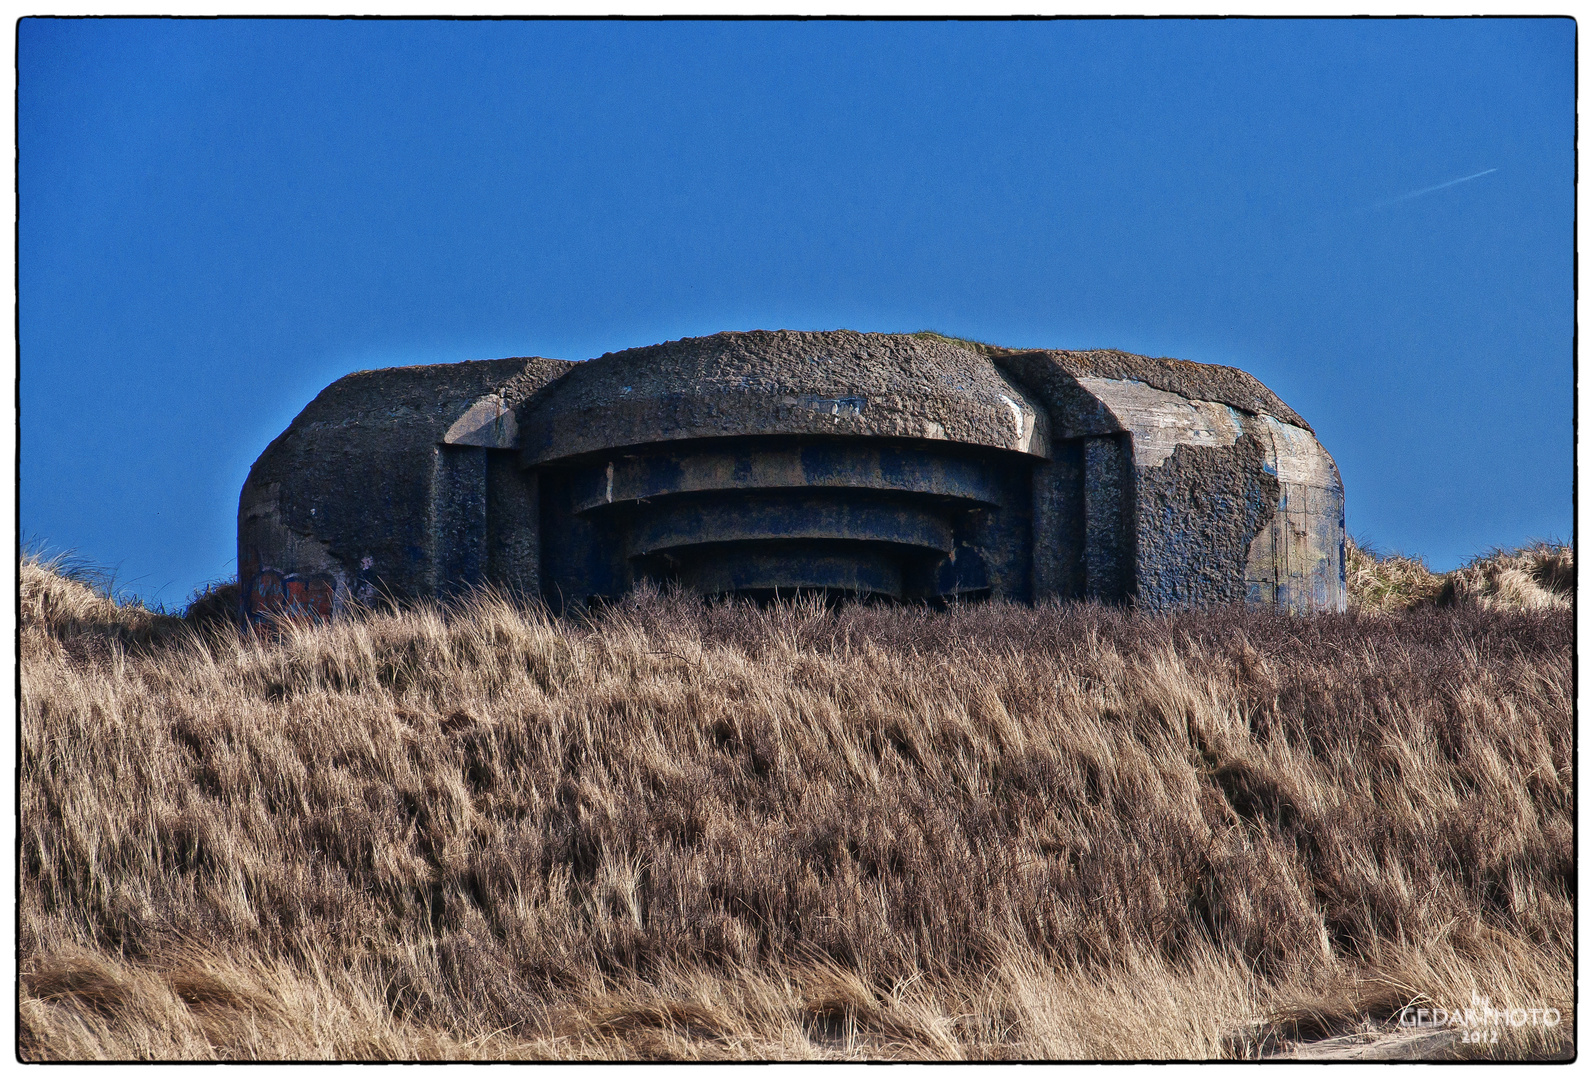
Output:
x=1533 y=578
x=1540 y=576
x=714 y=831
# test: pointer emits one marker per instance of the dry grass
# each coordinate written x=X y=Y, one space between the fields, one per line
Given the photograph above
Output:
x=69 y=606
x=1540 y=576
x=690 y=831
x=1390 y=582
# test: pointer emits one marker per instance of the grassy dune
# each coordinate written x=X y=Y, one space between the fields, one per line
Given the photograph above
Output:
x=1538 y=577
x=699 y=831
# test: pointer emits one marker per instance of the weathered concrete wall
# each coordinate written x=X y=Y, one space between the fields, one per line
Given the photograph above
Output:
x=458 y=534
x=1297 y=561
x=1074 y=412
x=765 y=462
x=1199 y=511
x=514 y=534
x=1199 y=496
x=1227 y=497
x=1058 y=526
x=359 y=494
x=1109 y=518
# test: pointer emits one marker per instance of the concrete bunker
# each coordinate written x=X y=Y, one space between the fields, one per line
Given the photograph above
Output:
x=905 y=467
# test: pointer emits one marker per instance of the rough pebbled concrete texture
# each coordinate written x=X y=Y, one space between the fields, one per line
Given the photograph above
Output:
x=783 y=383
x=907 y=466
x=1187 y=379
x=354 y=477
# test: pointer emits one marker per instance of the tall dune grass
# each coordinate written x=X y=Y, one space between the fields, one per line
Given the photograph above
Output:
x=682 y=830
x=1540 y=576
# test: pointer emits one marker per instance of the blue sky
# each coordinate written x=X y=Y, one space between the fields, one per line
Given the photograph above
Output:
x=219 y=218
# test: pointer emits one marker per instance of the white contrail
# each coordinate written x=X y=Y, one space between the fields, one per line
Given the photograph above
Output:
x=1435 y=187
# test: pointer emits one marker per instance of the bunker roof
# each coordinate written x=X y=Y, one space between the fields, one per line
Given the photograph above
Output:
x=1186 y=378
x=840 y=382
x=783 y=382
